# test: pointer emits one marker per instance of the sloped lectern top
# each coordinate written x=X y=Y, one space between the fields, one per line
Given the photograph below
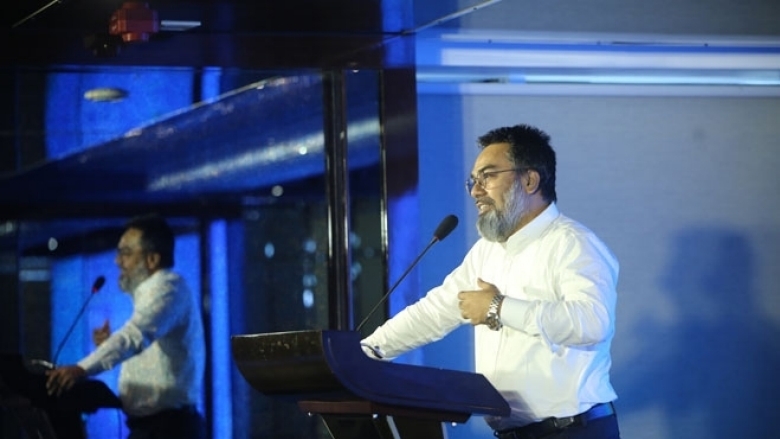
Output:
x=330 y=365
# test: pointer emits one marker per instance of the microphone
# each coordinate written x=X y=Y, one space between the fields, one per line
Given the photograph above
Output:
x=96 y=286
x=446 y=226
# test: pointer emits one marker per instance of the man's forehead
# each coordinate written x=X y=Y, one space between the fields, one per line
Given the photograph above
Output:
x=130 y=237
x=492 y=156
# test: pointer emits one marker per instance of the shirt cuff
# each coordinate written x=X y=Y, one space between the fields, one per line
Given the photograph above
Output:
x=519 y=314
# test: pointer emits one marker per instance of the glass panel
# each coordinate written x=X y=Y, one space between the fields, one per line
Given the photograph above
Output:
x=240 y=174
x=286 y=257
x=367 y=273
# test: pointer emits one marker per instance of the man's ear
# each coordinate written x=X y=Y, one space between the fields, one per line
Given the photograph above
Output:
x=531 y=181
x=153 y=261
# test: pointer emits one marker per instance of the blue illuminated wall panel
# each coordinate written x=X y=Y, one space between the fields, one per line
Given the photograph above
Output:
x=221 y=359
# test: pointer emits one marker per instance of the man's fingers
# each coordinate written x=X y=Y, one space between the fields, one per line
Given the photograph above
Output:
x=53 y=382
x=62 y=379
x=469 y=307
x=99 y=335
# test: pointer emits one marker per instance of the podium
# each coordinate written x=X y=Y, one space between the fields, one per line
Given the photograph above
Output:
x=327 y=373
x=23 y=394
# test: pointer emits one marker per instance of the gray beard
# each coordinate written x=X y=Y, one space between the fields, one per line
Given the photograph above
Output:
x=129 y=283
x=498 y=225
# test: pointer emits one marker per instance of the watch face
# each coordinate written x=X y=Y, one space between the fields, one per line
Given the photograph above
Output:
x=493 y=323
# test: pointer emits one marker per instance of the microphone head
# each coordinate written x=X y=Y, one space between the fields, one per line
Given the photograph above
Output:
x=446 y=227
x=98 y=284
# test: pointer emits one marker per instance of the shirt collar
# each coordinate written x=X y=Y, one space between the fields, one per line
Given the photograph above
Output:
x=532 y=230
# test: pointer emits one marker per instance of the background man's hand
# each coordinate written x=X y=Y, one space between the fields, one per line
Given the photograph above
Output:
x=474 y=304
x=63 y=378
x=99 y=335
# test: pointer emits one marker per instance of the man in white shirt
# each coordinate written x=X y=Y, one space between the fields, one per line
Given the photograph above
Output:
x=540 y=290
x=161 y=347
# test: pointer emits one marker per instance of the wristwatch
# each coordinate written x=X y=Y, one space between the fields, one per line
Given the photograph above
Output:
x=493 y=321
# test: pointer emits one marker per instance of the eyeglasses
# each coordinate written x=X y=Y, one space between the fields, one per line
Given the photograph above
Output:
x=126 y=252
x=483 y=178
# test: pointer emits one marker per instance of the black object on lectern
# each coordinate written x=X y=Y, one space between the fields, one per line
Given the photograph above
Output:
x=328 y=374
x=23 y=392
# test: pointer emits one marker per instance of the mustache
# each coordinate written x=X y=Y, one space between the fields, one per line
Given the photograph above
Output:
x=485 y=200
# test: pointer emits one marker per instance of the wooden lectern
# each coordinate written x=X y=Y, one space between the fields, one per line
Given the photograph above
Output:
x=328 y=374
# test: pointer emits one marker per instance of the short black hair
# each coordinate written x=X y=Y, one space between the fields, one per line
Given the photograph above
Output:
x=529 y=149
x=156 y=236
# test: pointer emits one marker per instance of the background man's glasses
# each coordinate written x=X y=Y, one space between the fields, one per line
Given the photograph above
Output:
x=125 y=252
x=484 y=177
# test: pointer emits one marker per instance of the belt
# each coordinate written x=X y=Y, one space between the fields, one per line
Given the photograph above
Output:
x=549 y=426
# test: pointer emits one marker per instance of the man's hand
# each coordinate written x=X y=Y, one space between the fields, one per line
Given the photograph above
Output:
x=99 y=335
x=474 y=304
x=63 y=378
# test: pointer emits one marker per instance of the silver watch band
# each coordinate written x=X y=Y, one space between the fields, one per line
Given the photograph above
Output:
x=493 y=320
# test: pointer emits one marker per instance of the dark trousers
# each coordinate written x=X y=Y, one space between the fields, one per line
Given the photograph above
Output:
x=602 y=428
x=183 y=423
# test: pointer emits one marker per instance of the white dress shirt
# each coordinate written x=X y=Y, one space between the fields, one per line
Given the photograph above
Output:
x=161 y=348
x=552 y=356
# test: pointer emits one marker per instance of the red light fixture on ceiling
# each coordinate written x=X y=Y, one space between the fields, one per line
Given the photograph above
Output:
x=134 y=22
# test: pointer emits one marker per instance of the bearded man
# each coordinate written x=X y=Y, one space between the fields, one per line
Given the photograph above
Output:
x=161 y=347
x=540 y=290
